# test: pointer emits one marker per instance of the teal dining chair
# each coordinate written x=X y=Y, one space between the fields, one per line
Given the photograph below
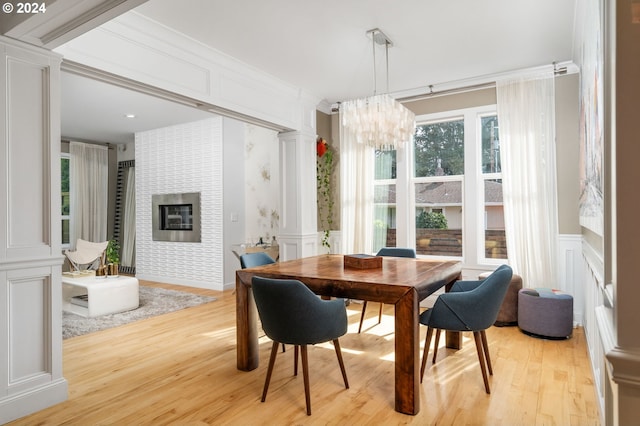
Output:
x=468 y=306
x=387 y=251
x=259 y=258
x=293 y=314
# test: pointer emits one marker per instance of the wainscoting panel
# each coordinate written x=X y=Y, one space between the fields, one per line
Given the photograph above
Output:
x=570 y=273
x=597 y=321
x=29 y=328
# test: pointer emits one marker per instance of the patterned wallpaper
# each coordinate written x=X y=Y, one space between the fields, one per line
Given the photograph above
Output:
x=261 y=184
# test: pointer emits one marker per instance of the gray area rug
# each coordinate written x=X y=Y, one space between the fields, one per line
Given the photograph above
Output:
x=153 y=301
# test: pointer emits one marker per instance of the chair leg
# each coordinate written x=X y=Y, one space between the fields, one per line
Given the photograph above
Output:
x=305 y=374
x=485 y=345
x=380 y=313
x=478 y=338
x=435 y=346
x=364 y=308
x=283 y=348
x=427 y=342
x=336 y=345
x=272 y=361
x=295 y=360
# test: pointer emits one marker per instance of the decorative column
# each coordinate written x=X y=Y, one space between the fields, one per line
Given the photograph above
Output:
x=30 y=228
x=298 y=212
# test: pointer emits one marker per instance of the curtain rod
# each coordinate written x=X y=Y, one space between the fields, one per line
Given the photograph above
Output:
x=562 y=70
x=488 y=85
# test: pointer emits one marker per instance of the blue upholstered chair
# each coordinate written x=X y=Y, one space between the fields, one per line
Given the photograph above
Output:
x=259 y=258
x=387 y=251
x=468 y=306
x=293 y=314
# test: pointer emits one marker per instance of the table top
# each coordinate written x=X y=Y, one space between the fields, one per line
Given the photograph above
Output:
x=91 y=280
x=326 y=275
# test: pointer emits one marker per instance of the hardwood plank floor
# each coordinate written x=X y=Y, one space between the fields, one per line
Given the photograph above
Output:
x=180 y=368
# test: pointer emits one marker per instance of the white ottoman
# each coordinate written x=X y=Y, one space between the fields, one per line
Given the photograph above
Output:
x=94 y=296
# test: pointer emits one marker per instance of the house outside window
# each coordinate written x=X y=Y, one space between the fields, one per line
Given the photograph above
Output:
x=442 y=193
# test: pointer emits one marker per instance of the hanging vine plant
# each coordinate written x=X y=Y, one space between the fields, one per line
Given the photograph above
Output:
x=324 y=169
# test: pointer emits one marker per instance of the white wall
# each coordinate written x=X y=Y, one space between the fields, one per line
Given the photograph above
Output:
x=234 y=200
x=177 y=159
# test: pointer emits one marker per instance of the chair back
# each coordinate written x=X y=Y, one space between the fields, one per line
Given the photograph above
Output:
x=291 y=313
x=259 y=258
x=472 y=310
x=87 y=253
x=397 y=252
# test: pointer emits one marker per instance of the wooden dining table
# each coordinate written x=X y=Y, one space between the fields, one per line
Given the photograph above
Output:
x=402 y=282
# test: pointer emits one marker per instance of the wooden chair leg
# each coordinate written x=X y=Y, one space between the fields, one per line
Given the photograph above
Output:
x=380 y=313
x=283 y=348
x=272 y=361
x=295 y=360
x=336 y=345
x=305 y=374
x=485 y=345
x=478 y=338
x=435 y=346
x=427 y=342
x=364 y=308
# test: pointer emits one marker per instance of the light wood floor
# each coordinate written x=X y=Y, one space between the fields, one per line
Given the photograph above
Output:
x=180 y=368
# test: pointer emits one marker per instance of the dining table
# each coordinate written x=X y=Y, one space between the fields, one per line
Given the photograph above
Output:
x=402 y=282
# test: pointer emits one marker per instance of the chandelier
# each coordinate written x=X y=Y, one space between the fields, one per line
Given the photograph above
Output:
x=378 y=121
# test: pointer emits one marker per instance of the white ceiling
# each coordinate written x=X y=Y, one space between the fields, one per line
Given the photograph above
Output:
x=94 y=111
x=322 y=47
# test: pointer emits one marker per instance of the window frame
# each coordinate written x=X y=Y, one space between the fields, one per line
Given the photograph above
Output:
x=473 y=245
x=66 y=155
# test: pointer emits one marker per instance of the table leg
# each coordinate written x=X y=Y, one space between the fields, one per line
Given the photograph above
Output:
x=453 y=339
x=407 y=345
x=246 y=328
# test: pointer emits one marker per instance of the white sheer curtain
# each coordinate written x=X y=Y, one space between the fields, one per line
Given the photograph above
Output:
x=129 y=221
x=356 y=192
x=526 y=113
x=89 y=172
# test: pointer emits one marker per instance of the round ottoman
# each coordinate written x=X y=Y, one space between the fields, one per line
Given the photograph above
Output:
x=545 y=312
x=508 y=314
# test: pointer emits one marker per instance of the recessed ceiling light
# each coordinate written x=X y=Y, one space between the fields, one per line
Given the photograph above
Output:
x=130 y=115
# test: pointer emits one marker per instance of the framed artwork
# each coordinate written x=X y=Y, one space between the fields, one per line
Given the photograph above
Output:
x=592 y=121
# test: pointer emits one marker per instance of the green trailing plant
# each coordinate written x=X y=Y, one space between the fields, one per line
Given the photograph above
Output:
x=324 y=169
x=113 y=251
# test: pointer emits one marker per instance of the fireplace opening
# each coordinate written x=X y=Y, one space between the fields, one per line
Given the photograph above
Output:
x=176 y=217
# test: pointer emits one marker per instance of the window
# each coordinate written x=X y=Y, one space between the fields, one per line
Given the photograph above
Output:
x=384 y=198
x=65 y=202
x=494 y=236
x=443 y=192
x=437 y=184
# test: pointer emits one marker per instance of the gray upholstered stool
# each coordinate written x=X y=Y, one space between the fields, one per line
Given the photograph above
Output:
x=545 y=312
x=508 y=314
